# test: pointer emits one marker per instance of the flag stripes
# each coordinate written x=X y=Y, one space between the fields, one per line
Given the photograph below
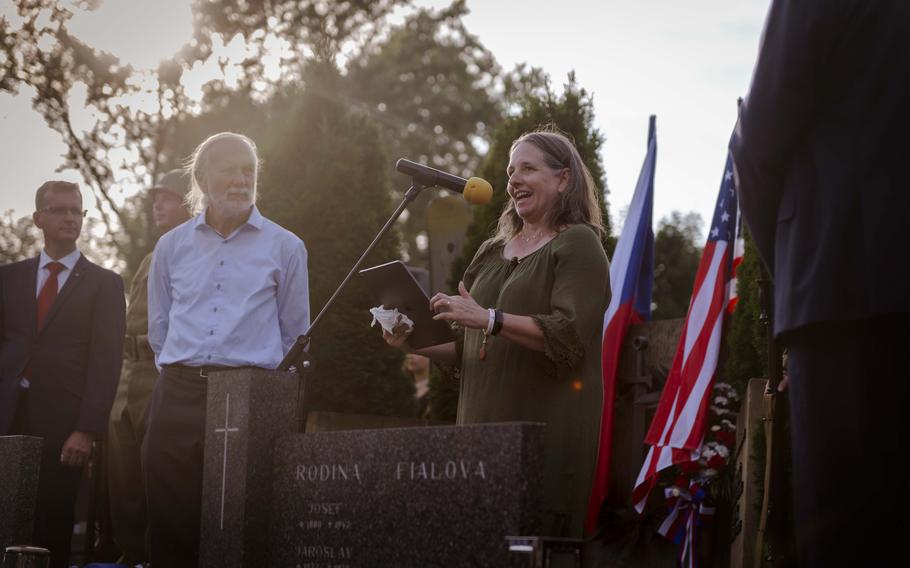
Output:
x=678 y=427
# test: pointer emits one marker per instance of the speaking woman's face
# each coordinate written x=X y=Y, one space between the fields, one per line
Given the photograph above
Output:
x=533 y=185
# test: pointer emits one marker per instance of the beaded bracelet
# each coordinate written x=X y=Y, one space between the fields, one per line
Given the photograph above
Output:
x=497 y=322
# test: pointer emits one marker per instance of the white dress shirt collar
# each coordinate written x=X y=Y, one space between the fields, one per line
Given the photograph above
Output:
x=254 y=220
x=69 y=261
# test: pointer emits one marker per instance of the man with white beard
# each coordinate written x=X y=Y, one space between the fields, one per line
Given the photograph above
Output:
x=227 y=289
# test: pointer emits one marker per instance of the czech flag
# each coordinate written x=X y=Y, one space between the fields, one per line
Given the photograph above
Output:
x=631 y=282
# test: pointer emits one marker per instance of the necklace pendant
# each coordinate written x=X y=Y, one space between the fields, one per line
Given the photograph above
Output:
x=482 y=354
x=528 y=239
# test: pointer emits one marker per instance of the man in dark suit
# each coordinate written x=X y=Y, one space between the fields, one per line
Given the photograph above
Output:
x=61 y=346
x=820 y=154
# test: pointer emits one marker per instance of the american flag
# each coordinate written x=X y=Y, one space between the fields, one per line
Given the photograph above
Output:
x=739 y=250
x=678 y=426
x=631 y=282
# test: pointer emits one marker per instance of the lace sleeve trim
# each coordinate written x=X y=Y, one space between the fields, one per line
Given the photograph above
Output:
x=561 y=342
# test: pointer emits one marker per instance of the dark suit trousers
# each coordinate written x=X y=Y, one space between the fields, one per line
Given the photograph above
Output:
x=172 y=465
x=58 y=486
x=849 y=401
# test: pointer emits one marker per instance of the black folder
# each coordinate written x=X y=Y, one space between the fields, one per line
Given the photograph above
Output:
x=393 y=286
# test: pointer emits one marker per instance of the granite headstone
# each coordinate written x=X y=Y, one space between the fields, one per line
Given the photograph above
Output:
x=749 y=460
x=443 y=496
x=20 y=462
x=247 y=409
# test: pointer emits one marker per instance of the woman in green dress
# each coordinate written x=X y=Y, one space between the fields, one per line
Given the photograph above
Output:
x=531 y=307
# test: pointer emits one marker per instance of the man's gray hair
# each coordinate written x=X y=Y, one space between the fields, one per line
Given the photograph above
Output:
x=198 y=162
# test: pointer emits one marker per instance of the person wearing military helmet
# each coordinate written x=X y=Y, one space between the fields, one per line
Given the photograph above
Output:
x=137 y=380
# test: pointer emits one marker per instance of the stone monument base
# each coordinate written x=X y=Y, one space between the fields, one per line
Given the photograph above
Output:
x=443 y=496
x=20 y=462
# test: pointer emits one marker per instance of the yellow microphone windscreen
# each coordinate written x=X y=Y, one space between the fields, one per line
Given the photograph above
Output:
x=478 y=191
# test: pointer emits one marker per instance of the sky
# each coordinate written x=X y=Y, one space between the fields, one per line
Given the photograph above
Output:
x=686 y=62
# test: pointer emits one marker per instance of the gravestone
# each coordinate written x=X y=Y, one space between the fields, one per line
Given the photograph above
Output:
x=322 y=421
x=748 y=475
x=20 y=462
x=444 y=496
x=247 y=409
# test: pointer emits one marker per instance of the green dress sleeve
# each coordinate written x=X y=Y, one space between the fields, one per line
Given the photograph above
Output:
x=577 y=297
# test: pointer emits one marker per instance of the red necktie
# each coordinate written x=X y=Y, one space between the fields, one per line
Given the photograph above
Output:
x=46 y=298
x=48 y=292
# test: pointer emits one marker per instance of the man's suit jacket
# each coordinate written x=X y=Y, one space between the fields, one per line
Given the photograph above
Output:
x=821 y=151
x=75 y=357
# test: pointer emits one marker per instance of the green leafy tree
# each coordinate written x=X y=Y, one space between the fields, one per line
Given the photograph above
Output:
x=676 y=257
x=19 y=238
x=136 y=113
x=312 y=30
x=430 y=85
x=747 y=348
x=573 y=113
x=38 y=54
x=428 y=82
x=336 y=209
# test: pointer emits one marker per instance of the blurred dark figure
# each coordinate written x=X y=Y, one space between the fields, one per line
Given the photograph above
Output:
x=137 y=380
x=418 y=367
x=820 y=153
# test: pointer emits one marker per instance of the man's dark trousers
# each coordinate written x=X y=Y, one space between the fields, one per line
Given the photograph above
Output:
x=850 y=395
x=172 y=461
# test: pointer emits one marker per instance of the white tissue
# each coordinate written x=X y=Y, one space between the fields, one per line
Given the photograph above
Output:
x=391 y=319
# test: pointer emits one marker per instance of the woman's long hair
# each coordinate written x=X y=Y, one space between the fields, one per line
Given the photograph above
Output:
x=577 y=203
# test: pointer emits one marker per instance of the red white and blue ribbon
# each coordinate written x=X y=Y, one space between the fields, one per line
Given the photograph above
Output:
x=687 y=514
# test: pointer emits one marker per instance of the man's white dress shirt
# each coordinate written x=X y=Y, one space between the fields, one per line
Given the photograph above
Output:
x=69 y=262
x=239 y=300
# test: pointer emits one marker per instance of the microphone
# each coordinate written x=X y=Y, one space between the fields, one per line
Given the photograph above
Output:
x=475 y=190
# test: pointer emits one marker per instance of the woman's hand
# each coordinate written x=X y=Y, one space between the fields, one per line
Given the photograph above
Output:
x=399 y=336
x=443 y=353
x=462 y=309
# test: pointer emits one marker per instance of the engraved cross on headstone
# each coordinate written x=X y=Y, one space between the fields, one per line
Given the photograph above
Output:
x=226 y=430
x=247 y=409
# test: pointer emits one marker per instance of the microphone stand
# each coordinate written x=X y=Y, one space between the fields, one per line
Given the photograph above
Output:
x=298 y=358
